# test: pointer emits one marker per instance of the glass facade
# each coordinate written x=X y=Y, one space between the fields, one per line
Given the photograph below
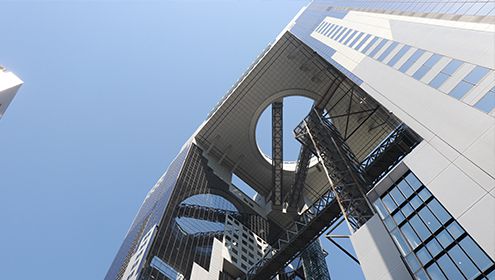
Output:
x=432 y=243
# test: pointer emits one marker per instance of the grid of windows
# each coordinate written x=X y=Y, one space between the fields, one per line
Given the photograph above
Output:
x=373 y=45
x=487 y=102
x=432 y=243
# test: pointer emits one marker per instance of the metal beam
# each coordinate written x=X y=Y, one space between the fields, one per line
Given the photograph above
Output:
x=277 y=152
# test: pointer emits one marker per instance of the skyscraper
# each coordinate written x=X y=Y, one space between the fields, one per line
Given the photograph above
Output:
x=9 y=85
x=399 y=145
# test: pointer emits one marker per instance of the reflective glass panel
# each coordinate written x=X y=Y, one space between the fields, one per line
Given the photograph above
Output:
x=419 y=227
x=433 y=247
x=449 y=268
x=398 y=55
x=378 y=47
x=487 y=102
x=365 y=39
x=371 y=43
x=461 y=89
x=476 y=75
x=451 y=67
x=474 y=252
x=435 y=272
x=410 y=235
x=439 y=211
x=438 y=81
x=463 y=262
x=405 y=188
x=413 y=181
x=409 y=62
x=387 y=51
x=430 y=220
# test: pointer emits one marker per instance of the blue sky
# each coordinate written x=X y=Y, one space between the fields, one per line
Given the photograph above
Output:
x=112 y=91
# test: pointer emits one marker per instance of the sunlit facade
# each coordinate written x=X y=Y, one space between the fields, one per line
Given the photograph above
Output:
x=9 y=85
x=399 y=145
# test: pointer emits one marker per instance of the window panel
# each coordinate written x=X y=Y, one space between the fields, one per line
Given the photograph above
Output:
x=378 y=47
x=433 y=60
x=412 y=262
x=461 y=89
x=474 y=252
x=388 y=51
x=356 y=39
x=424 y=194
x=423 y=255
x=413 y=181
x=434 y=247
x=416 y=202
x=401 y=242
x=399 y=217
x=380 y=208
x=345 y=35
x=476 y=75
x=444 y=238
x=449 y=268
x=439 y=211
x=463 y=262
x=430 y=220
x=397 y=196
x=451 y=67
x=419 y=227
x=407 y=210
x=410 y=235
x=438 y=81
x=340 y=33
x=336 y=32
x=455 y=230
x=421 y=275
x=389 y=202
x=409 y=62
x=405 y=189
x=435 y=272
x=363 y=41
x=389 y=223
x=421 y=72
x=332 y=30
x=487 y=102
x=350 y=37
x=371 y=43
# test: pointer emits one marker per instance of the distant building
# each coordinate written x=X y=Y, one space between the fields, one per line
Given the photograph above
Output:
x=400 y=144
x=9 y=85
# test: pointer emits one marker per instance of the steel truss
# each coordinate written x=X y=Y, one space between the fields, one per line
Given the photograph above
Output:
x=277 y=152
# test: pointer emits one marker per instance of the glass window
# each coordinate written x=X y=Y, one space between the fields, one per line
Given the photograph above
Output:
x=405 y=188
x=423 y=255
x=340 y=33
x=421 y=275
x=401 y=243
x=475 y=253
x=356 y=39
x=424 y=194
x=463 y=262
x=350 y=37
x=461 y=89
x=380 y=208
x=476 y=75
x=398 y=55
x=329 y=30
x=397 y=196
x=426 y=66
x=444 y=238
x=321 y=26
x=399 y=217
x=434 y=247
x=336 y=32
x=389 y=223
x=365 y=39
x=389 y=202
x=438 y=81
x=412 y=262
x=345 y=35
x=407 y=210
x=439 y=211
x=451 y=67
x=371 y=43
x=430 y=220
x=409 y=62
x=410 y=235
x=455 y=230
x=416 y=202
x=413 y=181
x=487 y=102
x=435 y=272
x=387 y=51
x=449 y=268
x=378 y=47
x=419 y=227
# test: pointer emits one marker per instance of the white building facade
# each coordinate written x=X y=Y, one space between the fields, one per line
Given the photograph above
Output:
x=9 y=85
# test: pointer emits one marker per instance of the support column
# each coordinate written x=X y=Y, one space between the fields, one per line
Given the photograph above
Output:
x=277 y=152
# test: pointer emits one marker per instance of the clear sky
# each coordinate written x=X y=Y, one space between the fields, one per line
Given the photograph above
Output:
x=112 y=91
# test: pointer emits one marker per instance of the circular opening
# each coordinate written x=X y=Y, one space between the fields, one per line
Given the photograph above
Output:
x=295 y=108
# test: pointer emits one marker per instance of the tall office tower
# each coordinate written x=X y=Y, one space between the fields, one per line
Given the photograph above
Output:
x=399 y=145
x=9 y=85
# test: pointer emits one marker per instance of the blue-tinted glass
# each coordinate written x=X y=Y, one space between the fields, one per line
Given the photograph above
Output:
x=321 y=26
x=476 y=75
x=380 y=208
x=401 y=243
x=434 y=247
x=419 y=227
x=438 y=80
x=405 y=188
x=461 y=89
x=389 y=202
x=424 y=194
x=421 y=275
x=430 y=220
x=463 y=262
x=336 y=31
x=397 y=195
x=449 y=268
x=439 y=211
x=407 y=209
x=410 y=235
x=435 y=272
x=371 y=43
x=345 y=35
x=413 y=181
x=350 y=37
x=340 y=33
x=389 y=223
x=433 y=60
x=398 y=55
x=398 y=217
x=455 y=230
x=444 y=238
x=412 y=262
x=388 y=51
x=409 y=62
x=378 y=47
x=423 y=256
x=362 y=41
x=475 y=253
x=451 y=67
x=491 y=275
x=356 y=39
x=330 y=29
x=416 y=202
x=421 y=72
x=487 y=102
